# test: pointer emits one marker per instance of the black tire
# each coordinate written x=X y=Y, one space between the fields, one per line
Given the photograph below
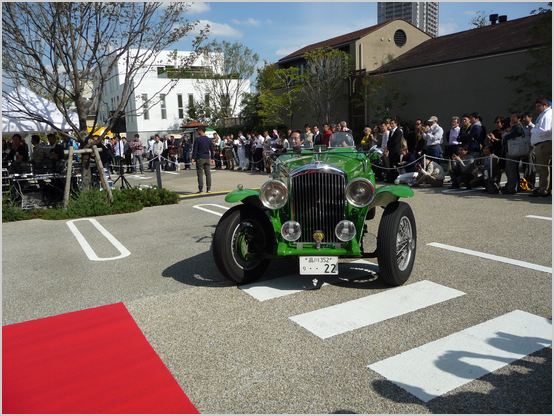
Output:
x=396 y=243
x=242 y=229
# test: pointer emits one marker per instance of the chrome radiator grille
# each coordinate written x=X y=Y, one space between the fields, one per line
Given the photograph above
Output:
x=318 y=203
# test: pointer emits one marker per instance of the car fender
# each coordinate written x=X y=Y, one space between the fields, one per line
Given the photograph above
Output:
x=246 y=196
x=384 y=195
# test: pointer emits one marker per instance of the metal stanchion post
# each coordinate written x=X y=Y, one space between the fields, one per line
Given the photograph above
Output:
x=158 y=172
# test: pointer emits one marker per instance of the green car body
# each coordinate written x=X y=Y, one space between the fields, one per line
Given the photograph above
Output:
x=317 y=183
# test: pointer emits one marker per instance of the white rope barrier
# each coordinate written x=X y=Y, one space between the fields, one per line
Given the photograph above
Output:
x=450 y=160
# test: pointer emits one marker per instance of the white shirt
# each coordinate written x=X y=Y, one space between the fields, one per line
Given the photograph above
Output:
x=434 y=135
x=454 y=134
x=120 y=149
x=157 y=148
x=259 y=142
x=542 y=132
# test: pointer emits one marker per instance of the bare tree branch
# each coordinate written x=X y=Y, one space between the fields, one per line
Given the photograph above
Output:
x=56 y=49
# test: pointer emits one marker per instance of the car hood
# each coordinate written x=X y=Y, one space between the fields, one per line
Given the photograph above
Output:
x=355 y=164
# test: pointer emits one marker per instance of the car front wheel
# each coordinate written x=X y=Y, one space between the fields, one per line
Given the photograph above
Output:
x=241 y=239
x=396 y=243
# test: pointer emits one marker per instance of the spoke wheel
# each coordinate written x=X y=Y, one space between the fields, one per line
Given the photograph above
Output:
x=241 y=240
x=396 y=243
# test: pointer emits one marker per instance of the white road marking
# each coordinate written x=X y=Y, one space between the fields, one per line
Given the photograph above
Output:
x=443 y=365
x=348 y=316
x=86 y=246
x=456 y=191
x=145 y=186
x=288 y=285
x=493 y=257
x=201 y=207
x=171 y=173
x=139 y=177
x=539 y=218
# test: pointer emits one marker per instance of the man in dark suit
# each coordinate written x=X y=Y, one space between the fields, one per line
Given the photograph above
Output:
x=316 y=139
x=394 y=144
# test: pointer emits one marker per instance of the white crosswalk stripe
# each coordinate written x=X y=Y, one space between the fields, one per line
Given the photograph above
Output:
x=358 y=313
x=443 y=365
x=493 y=257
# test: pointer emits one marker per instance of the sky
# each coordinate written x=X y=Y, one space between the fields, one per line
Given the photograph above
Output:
x=275 y=29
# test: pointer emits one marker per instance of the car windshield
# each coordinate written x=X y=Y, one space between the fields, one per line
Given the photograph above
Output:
x=342 y=139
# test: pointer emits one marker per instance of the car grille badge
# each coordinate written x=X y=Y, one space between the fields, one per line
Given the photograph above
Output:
x=318 y=237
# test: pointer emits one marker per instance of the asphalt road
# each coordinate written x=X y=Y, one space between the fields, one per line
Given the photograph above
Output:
x=234 y=353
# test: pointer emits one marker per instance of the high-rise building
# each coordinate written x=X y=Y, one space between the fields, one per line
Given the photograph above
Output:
x=424 y=15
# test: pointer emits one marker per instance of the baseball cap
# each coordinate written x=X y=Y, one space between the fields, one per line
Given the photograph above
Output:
x=433 y=118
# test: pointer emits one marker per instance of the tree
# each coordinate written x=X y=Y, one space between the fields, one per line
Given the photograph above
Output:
x=323 y=80
x=228 y=68
x=536 y=81
x=200 y=111
x=58 y=48
x=281 y=100
x=251 y=107
x=382 y=98
x=480 y=20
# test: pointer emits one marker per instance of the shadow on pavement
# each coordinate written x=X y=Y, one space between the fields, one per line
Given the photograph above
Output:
x=508 y=393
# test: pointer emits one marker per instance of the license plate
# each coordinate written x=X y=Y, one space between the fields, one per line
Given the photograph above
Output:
x=319 y=265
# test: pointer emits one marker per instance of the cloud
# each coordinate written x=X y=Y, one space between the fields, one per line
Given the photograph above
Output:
x=447 y=28
x=288 y=51
x=470 y=12
x=249 y=22
x=198 y=7
x=219 y=29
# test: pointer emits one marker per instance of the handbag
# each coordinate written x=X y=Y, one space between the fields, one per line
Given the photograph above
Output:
x=518 y=147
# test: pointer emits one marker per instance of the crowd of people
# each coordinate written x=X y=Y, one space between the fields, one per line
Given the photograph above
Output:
x=249 y=150
x=417 y=154
x=425 y=153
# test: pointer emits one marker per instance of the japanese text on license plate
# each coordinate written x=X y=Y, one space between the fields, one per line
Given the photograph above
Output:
x=319 y=265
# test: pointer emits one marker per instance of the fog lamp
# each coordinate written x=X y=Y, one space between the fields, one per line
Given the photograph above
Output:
x=291 y=231
x=345 y=230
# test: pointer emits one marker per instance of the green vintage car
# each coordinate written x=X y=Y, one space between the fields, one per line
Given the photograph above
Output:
x=315 y=209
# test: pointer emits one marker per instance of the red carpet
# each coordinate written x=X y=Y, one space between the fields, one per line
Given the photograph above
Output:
x=91 y=361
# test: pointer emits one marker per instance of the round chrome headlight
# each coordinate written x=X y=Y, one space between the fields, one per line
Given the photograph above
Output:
x=345 y=230
x=274 y=194
x=291 y=231
x=360 y=192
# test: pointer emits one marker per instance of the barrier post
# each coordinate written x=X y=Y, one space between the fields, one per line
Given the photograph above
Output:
x=158 y=172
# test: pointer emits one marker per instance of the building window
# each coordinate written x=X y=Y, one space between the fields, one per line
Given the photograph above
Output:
x=145 y=106
x=180 y=105
x=191 y=100
x=162 y=104
x=207 y=100
x=400 y=38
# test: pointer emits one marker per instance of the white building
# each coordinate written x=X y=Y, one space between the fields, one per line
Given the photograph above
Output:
x=167 y=114
x=424 y=15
